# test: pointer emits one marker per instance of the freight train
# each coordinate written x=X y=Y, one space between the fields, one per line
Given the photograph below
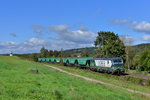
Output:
x=112 y=65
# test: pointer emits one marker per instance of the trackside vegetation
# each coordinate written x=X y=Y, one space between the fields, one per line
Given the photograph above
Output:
x=20 y=80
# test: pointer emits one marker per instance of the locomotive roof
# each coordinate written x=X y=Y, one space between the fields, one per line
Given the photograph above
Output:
x=107 y=58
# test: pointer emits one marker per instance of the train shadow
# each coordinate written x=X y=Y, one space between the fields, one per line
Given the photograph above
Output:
x=120 y=74
x=124 y=74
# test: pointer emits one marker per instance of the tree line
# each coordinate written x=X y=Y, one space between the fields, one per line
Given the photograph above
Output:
x=49 y=53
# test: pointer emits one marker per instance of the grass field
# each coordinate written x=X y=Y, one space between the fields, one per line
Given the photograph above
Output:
x=123 y=81
x=18 y=82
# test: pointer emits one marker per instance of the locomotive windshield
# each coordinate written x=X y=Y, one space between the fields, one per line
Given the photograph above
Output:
x=117 y=61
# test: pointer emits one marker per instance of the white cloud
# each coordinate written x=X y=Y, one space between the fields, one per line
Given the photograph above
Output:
x=128 y=40
x=118 y=22
x=64 y=36
x=33 y=45
x=13 y=34
x=8 y=44
x=69 y=45
x=35 y=41
x=38 y=29
x=29 y=46
x=142 y=27
x=135 y=26
x=5 y=47
x=60 y=28
x=81 y=35
x=146 y=38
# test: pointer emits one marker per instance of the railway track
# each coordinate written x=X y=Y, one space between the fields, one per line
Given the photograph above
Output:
x=139 y=75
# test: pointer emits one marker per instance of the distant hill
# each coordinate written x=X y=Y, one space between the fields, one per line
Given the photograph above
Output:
x=138 y=48
x=80 y=50
x=4 y=54
x=141 y=47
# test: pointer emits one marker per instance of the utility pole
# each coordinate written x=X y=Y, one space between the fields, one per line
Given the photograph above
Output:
x=61 y=55
x=102 y=37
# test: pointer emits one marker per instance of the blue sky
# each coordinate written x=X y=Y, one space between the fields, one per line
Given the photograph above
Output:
x=27 y=25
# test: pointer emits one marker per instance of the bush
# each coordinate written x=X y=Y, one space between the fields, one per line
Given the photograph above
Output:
x=145 y=60
x=148 y=82
x=141 y=61
x=35 y=57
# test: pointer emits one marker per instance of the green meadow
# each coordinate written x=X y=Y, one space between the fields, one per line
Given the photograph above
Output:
x=20 y=81
x=125 y=81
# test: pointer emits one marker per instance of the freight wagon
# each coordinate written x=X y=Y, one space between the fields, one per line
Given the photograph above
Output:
x=107 y=65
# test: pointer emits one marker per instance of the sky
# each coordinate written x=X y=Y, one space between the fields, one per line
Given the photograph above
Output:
x=28 y=25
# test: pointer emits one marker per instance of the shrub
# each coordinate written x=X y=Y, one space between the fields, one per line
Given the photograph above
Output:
x=148 y=82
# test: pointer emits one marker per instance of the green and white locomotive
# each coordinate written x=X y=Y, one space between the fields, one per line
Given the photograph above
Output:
x=109 y=65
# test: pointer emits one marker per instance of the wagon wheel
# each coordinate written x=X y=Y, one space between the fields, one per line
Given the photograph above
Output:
x=64 y=64
x=76 y=63
x=67 y=63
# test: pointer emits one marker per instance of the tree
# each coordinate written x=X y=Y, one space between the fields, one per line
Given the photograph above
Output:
x=50 y=53
x=56 y=53
x=35 y=57
x=135 y=61
x=85 y=53
x=128 y=41
x=109 y=45
x=145 y=60
x=43 y=52
x=141 y=61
